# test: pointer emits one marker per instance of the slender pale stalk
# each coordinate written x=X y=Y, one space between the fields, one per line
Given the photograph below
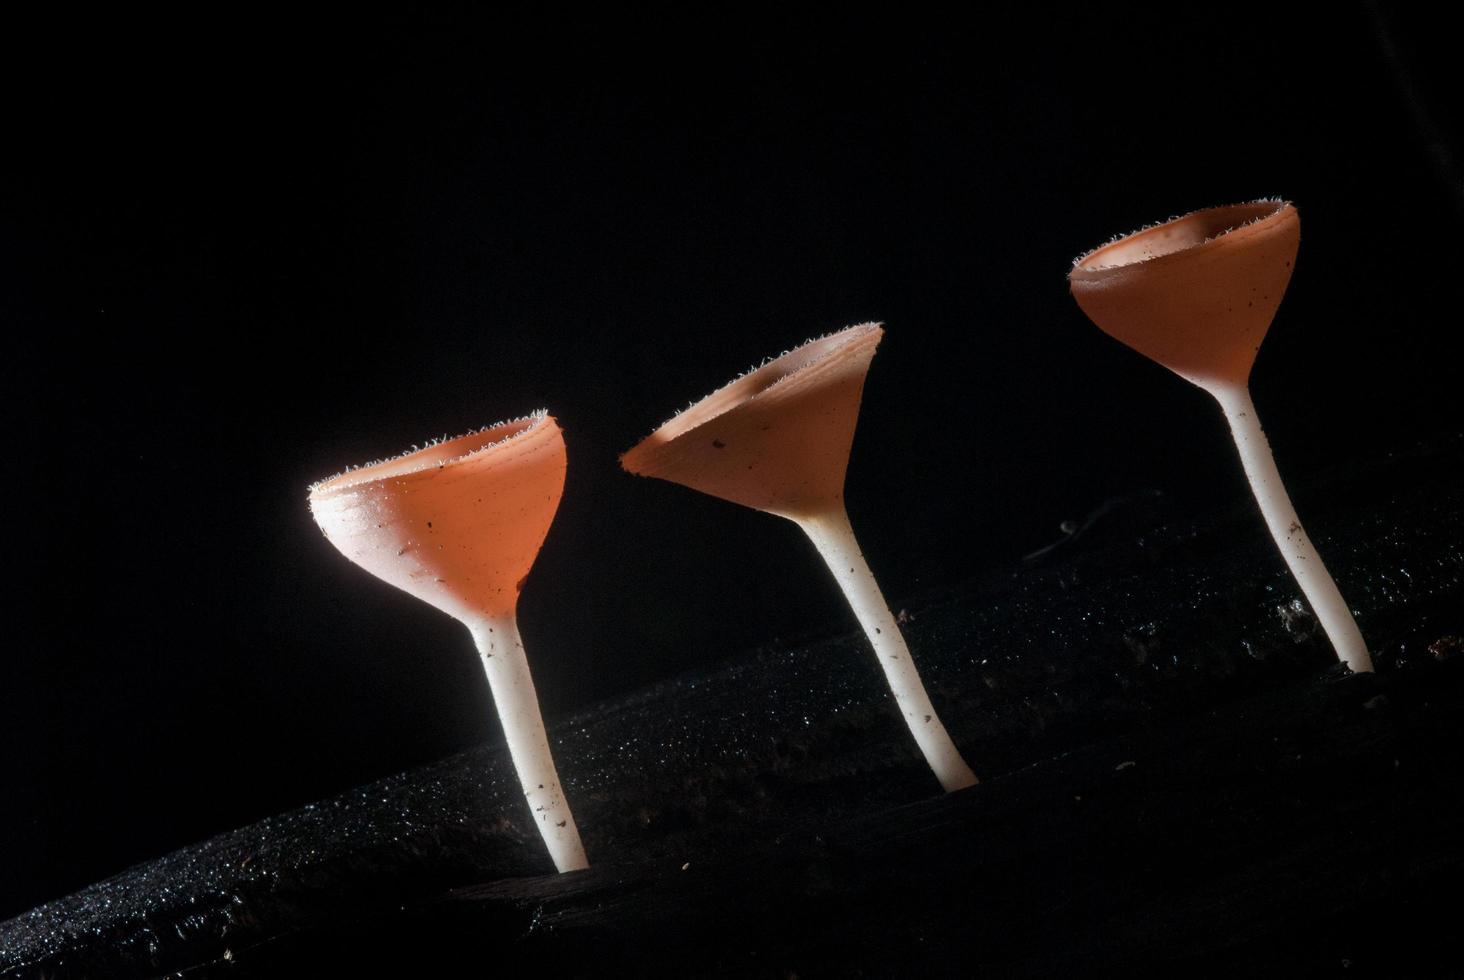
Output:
x=1301 y=557
x=833 y=536
x=502 y=653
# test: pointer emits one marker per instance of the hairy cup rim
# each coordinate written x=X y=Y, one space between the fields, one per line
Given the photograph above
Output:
x=1249 y=214
x=433 y=454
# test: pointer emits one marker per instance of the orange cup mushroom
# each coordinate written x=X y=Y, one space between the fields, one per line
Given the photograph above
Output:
x=777 y=439
x=458 y=524
x=1197 y=295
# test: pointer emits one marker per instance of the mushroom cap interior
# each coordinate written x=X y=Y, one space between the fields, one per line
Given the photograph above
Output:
x=1177 y=235
x=761 y=379
x=431 y=456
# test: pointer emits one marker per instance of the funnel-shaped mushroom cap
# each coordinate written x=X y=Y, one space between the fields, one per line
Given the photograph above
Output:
x=777 y=438
x=1197 y=293
x=457 y=524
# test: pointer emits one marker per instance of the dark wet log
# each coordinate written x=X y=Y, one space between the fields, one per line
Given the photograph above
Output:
x=1301 y=832
x=1176 y=778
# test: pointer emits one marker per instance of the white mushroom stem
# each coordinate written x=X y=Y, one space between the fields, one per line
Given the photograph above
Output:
x=834 y=538
x=1316 y=584
x=502 y=653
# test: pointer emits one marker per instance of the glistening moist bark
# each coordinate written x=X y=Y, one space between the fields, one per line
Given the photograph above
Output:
x=1060 y=673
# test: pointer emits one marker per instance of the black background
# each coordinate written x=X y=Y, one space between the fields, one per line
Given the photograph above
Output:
x=238 y=256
